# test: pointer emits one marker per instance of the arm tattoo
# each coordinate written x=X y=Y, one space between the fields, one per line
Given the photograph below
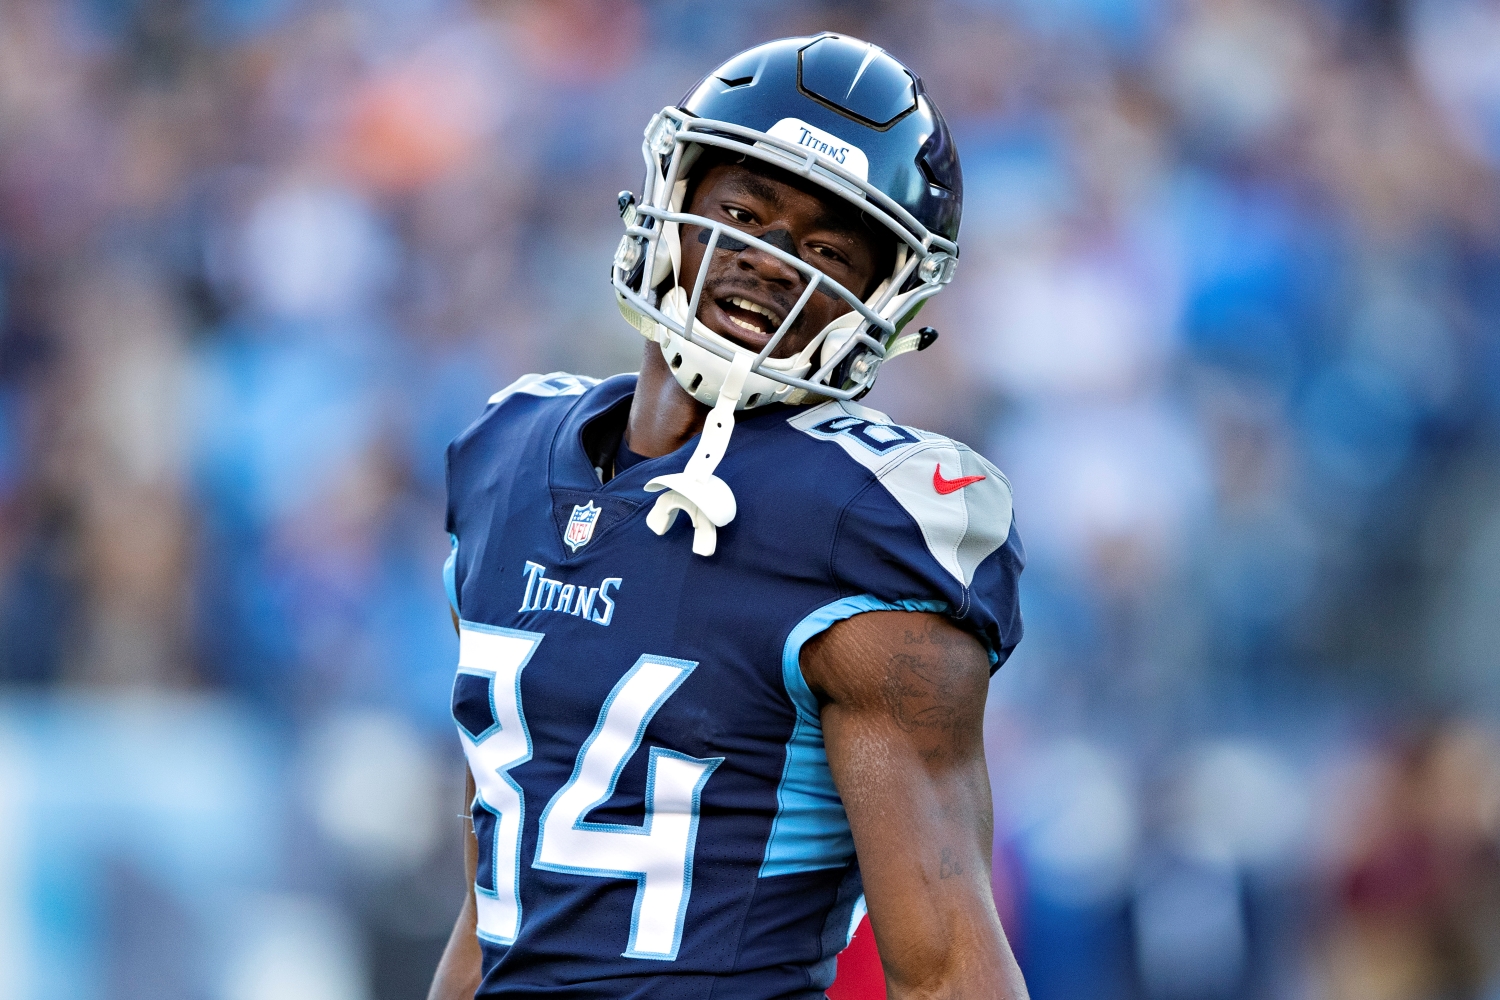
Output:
x=919 y=691
x=928 y=689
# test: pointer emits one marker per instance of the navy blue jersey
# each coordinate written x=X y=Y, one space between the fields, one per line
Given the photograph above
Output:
x=655 y=812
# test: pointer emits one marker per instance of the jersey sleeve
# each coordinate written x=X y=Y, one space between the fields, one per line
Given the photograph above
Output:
x=935 y=530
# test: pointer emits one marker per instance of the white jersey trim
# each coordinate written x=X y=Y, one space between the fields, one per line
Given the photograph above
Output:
x=961 y=528
x=553 y=384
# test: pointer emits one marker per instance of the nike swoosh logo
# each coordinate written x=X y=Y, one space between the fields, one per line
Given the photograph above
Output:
x=946 y=486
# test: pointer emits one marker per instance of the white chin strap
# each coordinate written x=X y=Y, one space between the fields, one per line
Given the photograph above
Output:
x=704 y=497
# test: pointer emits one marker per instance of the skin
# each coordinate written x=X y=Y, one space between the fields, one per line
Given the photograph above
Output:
x=901 y=693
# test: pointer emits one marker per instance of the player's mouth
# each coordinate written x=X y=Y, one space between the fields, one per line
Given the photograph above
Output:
x=750 y=317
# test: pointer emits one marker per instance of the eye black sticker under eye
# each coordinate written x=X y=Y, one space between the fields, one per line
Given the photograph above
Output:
x=782 y=240
x=726 y=242
x=778 y=238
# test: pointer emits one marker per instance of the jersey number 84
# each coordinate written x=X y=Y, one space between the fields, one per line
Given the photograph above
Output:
x=658 y=854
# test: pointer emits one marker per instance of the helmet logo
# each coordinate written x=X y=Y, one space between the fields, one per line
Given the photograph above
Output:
x=581 y=525
x=827 y=145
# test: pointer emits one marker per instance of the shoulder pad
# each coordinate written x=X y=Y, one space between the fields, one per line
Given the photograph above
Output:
x=554 y=384
x=961 y=502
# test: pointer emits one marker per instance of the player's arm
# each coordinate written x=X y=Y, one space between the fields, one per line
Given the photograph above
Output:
x=458 y=972
x=902 y=696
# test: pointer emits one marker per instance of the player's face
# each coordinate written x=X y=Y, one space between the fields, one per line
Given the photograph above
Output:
x=743 y=285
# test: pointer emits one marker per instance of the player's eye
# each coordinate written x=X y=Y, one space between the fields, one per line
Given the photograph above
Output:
x=739 y=215
x=829 y=253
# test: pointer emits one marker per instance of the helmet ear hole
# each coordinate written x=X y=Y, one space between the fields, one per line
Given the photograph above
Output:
x=697 y=381
x=676 y=362
x=754 y=398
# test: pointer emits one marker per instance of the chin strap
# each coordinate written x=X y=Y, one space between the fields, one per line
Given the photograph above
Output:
x=707 y=499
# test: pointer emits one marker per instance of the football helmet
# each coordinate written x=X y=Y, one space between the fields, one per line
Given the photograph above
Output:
x=834 y=111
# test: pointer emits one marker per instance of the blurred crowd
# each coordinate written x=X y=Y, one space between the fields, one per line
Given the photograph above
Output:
x=1227 y=313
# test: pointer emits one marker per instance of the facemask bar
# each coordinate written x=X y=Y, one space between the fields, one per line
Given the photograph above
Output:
x=673 y=132
x=815 y=280
x=801 y=160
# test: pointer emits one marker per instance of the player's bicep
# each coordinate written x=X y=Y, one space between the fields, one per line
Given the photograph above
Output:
x=903 y=725
x=911 y=679
x=902 y=710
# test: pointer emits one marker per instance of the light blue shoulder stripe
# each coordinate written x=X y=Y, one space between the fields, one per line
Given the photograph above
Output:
x=811 y=831
x=450 y=578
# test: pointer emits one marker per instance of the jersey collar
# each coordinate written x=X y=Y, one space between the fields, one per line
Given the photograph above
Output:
x=571 y=467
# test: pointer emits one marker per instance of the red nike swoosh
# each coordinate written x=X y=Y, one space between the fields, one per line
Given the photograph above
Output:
x=946 y=486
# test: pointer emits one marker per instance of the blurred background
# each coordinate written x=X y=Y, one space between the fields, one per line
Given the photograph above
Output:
x=1228 y=313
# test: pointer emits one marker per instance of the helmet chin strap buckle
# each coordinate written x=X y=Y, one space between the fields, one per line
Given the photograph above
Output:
x=704 y=497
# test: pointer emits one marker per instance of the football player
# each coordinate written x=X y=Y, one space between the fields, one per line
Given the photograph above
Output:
x=726 y=634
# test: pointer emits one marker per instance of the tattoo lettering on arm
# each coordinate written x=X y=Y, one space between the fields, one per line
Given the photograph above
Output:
x=950 y=864
x=917 y=692
x=927 y=688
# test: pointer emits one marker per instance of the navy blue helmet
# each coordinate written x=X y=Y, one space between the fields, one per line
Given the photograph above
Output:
x=853 y=89
x=844 y=115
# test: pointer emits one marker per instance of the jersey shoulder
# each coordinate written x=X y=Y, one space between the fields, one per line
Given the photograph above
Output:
x=514 y=431
x=960 y=503
x=529 y=403
x=545 y=386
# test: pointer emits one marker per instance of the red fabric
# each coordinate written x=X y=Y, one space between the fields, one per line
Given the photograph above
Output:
x=860 y=975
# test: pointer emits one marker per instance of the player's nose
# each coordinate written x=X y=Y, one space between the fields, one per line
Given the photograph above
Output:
x=768 y=267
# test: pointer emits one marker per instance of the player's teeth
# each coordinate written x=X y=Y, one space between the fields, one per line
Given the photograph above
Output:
x=739 y=322
x=749 y=306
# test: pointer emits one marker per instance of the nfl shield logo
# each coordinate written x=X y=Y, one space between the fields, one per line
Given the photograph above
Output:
x=581 y=525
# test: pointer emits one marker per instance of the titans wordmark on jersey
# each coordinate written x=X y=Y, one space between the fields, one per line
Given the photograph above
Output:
x=655 y=812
